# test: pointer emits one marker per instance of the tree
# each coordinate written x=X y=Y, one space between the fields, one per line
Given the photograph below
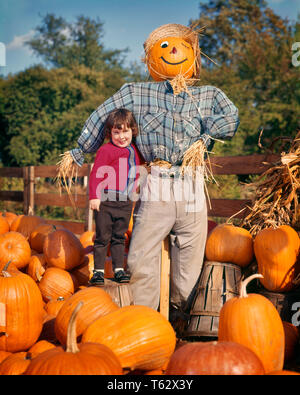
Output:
x=252 y=46
x=42 y=111
x=63 y=44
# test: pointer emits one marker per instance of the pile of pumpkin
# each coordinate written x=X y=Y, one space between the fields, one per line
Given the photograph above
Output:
x=52 y=323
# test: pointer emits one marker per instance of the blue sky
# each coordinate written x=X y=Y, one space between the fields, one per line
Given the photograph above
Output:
x=127 y=23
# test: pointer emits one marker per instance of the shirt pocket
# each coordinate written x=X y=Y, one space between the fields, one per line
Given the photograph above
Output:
x=152 y=126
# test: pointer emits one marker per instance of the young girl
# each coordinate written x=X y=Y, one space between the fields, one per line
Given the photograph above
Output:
x=113 y=179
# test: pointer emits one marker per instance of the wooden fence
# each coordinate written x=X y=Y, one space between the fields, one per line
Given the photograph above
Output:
x=238 y=165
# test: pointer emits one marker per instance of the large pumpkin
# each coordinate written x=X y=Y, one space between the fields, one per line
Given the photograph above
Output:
x=253 y=321
x=82 y=359
x=21 y=310
x=97 y=303
x=276 y=251
x=39 y=234
x=63 y=249
x=140 y=336
x=14 y=248
x=214 y=358
x=169 y=57
x=231 y=244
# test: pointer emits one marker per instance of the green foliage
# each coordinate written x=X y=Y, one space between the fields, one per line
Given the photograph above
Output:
x=44 y=111
x=252 y=46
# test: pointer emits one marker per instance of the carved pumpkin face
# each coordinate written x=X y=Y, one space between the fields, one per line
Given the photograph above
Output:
x=169 y=57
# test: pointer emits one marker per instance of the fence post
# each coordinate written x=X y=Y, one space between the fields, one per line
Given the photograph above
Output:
x=88 y=223
x=31 y=190
x=25 y=190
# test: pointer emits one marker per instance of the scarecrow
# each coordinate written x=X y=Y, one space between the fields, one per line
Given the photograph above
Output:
x=177 y=122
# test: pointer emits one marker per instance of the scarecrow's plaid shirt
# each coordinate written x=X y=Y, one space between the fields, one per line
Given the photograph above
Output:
x=168 y=124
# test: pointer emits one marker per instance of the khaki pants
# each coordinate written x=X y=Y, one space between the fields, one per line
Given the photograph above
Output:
x=163 y=212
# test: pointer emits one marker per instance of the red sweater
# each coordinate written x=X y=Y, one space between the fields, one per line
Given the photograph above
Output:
x=115 y=169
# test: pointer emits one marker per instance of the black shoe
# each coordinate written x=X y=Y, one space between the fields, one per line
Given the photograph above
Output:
x=97 y=279
x=121 y=276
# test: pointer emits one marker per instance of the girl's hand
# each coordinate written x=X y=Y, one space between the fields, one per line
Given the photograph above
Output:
x=95 y=204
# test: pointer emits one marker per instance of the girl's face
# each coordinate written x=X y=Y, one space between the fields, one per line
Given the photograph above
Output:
x=121 y=135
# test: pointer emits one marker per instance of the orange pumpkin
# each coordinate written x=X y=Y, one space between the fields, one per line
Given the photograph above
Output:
x=56 y=282
x=39 y=347
x=276 y=251
x=25 y=224
x=53 y=306
x=4 y=225
x=97 y=303
x=15 y=364
x=63 y=249
x=87 y=238
x=84 y=272
x=169 y=57
x=140 y=336
x=85 y=359
x=231 y=244
x=253 y=321
x=38 y=236
x=214 y=358
x=14 y=248
x=36 y=267
x=10 y=217
x=22 y=310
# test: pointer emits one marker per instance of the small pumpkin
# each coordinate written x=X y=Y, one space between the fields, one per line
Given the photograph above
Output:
x=36 y=267
x=82 y=359
x=54 y=305
x=214 y=358
x=253 y=321
x=14 y=248
x=9 y=216
x=87 y=238
x=4 y=225
x=56 y=282
x=39 y=234
x=276 y=251
x=140 y=336
x=15 y=364
x=231 y=244
x=84 y=272
x=169 y=57
x=63 y=249
x=25 y=224
x=39 y=347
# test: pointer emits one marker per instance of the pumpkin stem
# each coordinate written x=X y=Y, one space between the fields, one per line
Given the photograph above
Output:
x=5 y=273
x=71 y=334
x=243 y=284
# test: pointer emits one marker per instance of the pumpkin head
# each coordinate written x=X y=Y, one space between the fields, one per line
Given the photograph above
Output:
x=172 y=50
x=169 y=57
x=253 y=321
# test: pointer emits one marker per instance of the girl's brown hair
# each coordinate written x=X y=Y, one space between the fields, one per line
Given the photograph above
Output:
x=119 y=117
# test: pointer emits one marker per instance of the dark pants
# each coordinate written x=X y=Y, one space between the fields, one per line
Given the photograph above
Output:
x=111 y=224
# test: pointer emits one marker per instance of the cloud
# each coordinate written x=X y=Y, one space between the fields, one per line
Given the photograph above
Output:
x=18 y=42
